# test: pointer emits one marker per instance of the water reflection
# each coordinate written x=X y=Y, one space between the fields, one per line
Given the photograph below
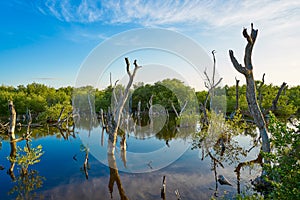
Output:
x=241 y=165
x=27 y=184
x=114 y=177
x=85 y=177
x=27 y=180
x=221 y=143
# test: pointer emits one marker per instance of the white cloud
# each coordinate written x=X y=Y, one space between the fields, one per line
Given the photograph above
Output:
x=218 y=25
x=162 y=13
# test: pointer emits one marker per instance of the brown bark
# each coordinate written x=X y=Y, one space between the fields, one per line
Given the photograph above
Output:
x=247 y=71
x=115 y=177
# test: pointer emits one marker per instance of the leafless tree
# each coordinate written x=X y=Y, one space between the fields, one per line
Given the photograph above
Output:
x=247 y=71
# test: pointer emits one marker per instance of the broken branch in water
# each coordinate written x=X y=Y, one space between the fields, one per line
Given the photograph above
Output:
x=177 y=194
x=85 y=164
x=163 y=189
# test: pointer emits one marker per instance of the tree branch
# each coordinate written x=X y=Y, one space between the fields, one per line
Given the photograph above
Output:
x=236 y=64
x=214 y=67
x=127 y=66
x=248 y=50
x=183 y=107
x=215 y=85
x=274 y=103
x=114 y=93
x=207 y=78
x=136 y=67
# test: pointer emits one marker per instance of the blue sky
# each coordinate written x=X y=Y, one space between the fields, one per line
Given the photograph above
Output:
x=47 y=41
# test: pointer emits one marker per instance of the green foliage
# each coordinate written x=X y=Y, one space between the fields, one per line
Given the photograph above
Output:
x=249 y=197
x=38 y=98
x=53 y=112
x=283 y=168
x=165 y=93
x=293 y=95
x=28 y=180
x=27 y=156
x=103 y=99
x=201 y=95
x=84 y=98
x=283 y=172
x=237 y=123
x=26 y=184
x=288 y=103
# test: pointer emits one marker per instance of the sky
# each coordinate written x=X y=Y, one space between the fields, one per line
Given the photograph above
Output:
x=49 y=41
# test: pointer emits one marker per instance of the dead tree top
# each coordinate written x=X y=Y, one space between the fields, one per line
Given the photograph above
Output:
x=248 y=53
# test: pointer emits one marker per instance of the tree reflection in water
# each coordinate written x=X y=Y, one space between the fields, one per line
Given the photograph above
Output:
x=218 y=145
x=115 y=177
x=26 y=184
x=28 y=180
x=216 y=142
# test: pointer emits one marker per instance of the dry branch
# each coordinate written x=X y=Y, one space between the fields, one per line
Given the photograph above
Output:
x=275 y=101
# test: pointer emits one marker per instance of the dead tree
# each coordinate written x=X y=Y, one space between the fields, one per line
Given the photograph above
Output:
x=274 y=103
x=247 y=71
x=11 y=133
x=178 y=115
x=237 y=107
x=210 y=84
x=260 y=91
x=119 y=107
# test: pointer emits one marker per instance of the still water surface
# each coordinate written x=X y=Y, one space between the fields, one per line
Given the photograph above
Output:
x=61 y=172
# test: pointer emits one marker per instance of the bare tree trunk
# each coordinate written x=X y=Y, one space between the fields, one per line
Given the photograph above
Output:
x=247 y=71
x=237 y=107
x=203 y=108
x=11 y=132
x=112 y=138
x=12 y=120
x=260 y=92
x=86 y=164
x=115 y=177
x=211 y=84
x=139 y=109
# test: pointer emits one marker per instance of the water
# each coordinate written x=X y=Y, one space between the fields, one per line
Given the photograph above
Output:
x=60 y=172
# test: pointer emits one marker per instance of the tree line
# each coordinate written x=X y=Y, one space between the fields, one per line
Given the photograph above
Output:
x=46 y=102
